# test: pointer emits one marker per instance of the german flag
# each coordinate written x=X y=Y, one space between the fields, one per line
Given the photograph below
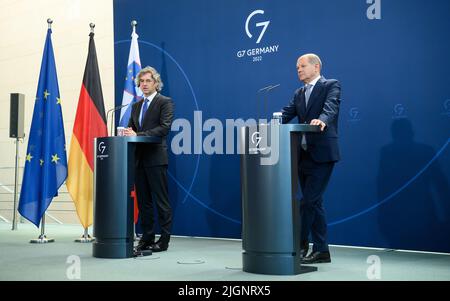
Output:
x=90 y=122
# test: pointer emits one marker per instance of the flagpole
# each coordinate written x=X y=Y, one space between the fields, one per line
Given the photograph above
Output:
x=46 y=166
x=134 y=54
x=16 y=177
x=86 y=238
x=42 y=239
x=136 y=238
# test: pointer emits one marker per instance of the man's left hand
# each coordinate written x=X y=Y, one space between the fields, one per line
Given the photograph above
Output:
x=318 y=122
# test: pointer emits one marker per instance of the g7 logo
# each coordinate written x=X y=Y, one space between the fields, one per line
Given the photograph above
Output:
x=265 y=24
x=256 y=139
x=354 y=113
x=399 y=110
x=101 y=147
x=447 y=105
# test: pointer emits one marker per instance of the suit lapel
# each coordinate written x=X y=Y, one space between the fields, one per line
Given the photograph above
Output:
x=137 y=113
x=152 y=105
x=315 y=92
x=147 y=113
x=302 y=102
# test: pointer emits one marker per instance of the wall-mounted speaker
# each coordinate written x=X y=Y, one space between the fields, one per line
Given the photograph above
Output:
x=16 y=115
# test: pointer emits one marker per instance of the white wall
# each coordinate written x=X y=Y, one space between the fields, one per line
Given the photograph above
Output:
x=23 y=27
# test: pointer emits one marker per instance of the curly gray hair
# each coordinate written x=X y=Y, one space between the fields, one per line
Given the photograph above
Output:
x=155 y=76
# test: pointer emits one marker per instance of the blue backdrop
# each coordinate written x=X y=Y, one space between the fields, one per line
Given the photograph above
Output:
x=391 y=188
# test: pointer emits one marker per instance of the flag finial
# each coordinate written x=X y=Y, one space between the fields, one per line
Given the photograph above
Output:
x=49 y=21
x=92 y=25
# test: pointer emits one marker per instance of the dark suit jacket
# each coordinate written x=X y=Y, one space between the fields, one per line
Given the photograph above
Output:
x=156 y=122
x=323 y=104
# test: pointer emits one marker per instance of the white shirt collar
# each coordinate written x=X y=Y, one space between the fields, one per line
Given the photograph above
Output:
x=150 y=98
x=314 y=81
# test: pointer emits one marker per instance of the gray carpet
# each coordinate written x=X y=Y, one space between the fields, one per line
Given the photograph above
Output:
x=193 y=259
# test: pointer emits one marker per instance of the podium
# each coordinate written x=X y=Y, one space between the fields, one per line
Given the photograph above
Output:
x=270 y=211
x=113 y=207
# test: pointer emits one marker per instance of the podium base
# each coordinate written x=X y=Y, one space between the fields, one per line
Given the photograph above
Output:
x=274 y=264
x=307 y=269
x=112 y=248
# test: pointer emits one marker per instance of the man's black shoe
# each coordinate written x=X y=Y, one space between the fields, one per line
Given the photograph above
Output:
x=304 y=250
x=317 y=257
x=144 y=245
x=159 y=247
x=303 y=253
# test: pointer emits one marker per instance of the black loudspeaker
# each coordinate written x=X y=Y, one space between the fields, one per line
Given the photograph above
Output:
x=16 y=115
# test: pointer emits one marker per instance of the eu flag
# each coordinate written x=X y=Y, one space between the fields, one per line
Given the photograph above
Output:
x=46 y=163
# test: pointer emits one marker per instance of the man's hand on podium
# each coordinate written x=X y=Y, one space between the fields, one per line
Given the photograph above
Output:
x=318 y=122
x=129 y=132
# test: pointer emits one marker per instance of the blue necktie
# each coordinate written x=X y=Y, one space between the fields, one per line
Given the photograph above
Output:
x=307 y=95
x=144 y=110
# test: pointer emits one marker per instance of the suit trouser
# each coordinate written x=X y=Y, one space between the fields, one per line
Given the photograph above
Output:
x=313 y=178
x=152 y=188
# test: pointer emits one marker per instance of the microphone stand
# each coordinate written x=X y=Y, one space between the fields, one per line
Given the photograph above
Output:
x=266 y=89
x=112 y=119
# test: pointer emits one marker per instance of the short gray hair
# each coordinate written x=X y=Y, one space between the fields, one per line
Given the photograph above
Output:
x=155 y=76
x=313 y=59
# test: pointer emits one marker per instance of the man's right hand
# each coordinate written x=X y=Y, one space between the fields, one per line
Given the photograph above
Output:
x=129 y=132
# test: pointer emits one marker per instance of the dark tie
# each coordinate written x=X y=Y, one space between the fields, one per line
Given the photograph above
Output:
x=144 y=110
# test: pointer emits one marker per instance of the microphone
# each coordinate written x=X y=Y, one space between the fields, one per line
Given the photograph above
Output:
x=266 y=89
x=273 y=87
x=112 y=111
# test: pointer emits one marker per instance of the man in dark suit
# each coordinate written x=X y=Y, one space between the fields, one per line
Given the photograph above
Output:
x=152 y=116
x=316 y=103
